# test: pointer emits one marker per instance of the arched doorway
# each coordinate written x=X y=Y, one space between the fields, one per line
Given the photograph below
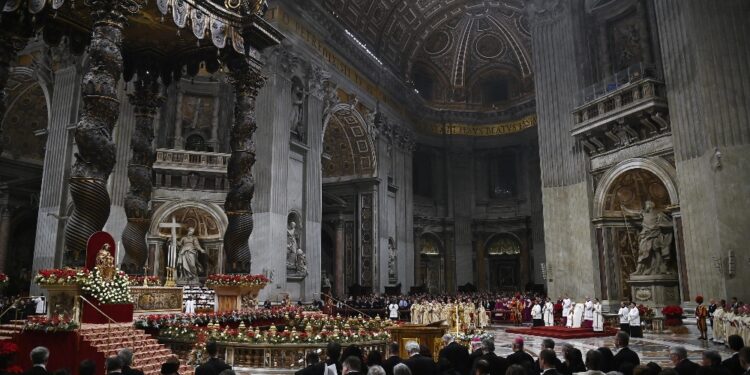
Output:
x=432 y=263
x=504 y=261
x=620 y=199
x=350 y=198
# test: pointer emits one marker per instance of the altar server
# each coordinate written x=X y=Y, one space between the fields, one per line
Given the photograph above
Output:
x=536 y=314
x=598 y=321
x=624 y=319
x=588 y=313
x=549 y=313
x=634 y=319
x=566 y=308
x=578 y=315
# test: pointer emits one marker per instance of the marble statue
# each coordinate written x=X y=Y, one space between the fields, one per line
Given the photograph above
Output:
x=188 y=262
x=296 y=260
x=325 y=282
x=392 y=276
x=653 y=246
x=297 y=118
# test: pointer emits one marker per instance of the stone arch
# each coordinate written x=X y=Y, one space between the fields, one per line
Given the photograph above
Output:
x=503 y=244
x=27 y=114
x=431 y=244
x=657 y=167
x=348 y=145
x=164 y=213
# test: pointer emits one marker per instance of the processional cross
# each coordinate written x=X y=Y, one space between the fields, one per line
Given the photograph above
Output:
x=172 y=251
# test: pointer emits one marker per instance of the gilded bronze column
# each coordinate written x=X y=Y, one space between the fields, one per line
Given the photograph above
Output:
x=96 y=154
x=146 y=101
x=247 y=81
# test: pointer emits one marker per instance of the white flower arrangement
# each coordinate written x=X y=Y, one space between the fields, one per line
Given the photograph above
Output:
x=114 y=291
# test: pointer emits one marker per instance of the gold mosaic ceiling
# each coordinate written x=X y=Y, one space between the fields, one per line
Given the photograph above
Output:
x=456 y=42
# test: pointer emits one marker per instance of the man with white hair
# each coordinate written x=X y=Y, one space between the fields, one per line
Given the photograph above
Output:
x=39 y=357
x=456 y=354
x=498 y=365
x=417 y=363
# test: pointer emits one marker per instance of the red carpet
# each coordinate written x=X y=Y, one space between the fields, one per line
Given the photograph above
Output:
x=562 y=332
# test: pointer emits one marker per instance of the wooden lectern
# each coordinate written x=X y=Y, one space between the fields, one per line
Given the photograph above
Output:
x=428 y=335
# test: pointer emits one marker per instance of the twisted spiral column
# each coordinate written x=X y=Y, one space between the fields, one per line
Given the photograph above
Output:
x=247 y=81
x=146 y=101
x=93 y=135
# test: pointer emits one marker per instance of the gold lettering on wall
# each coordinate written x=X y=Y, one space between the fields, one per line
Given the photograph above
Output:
x=473 y=130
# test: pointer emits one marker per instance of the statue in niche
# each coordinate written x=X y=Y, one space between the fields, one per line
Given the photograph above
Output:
x=188 y=258
x=297 y=115
x=325 y=282
x=392 y=273
x=654 y=246
x=296 y=261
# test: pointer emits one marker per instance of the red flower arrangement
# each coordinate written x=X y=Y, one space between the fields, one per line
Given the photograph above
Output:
x=673 y=315
x=54 y=324
x=14 y=369
x=62 y=276
x=237 y=280
x=4 y=279
x=8 y=348
x=645 y=311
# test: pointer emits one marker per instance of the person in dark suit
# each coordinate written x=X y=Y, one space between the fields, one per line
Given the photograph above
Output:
x=393 y=359
x=711 y=361
x=624 y=354
x=548 y=344
x=547 y=359
x=87 y=367
x=456 y=354
x=314 y=366
x=683 y=366
x=519 y=356
x=744 y=356
x=417 y=363
x=39 y=358
x=126 y=356
x=214 y=365
x=497 y=365
x=352 y=365
x=113 y=364
x=732 y=363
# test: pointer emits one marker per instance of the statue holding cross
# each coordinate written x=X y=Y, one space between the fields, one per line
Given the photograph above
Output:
x=171 y=250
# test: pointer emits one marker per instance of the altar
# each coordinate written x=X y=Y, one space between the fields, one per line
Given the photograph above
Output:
x=156 y=299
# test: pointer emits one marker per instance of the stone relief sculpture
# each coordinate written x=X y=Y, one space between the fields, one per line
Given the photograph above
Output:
x=297 y=115
x=188 y=259
x=654 y=245
x=392 y=272
x=296 y=260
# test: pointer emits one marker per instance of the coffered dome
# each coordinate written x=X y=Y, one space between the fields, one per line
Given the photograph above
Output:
x=457 y=54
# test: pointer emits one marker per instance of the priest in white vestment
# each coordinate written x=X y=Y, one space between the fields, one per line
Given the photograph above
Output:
x=536 y=314
x=588 y=313
x=578 y=315
x=598 y=321
x=624 y=320
x=549 y=313
x=566 y=311
x=569 y=317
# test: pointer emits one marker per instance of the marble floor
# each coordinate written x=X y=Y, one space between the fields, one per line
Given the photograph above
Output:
x=652 y=347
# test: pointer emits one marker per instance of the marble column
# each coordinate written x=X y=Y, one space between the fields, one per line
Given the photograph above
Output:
x=481 y=262
x=5 y=212
x=178 y=142
x=214 y=141
x=338 y=225
x=463 y=193
x=560 y=53
x=53 y=196
x=313 y=191
x=117 y=185
x=408 y=256
x=704 y=48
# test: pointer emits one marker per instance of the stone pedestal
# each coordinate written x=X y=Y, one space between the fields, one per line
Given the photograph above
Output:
x=655 y=291
x=63 y=300
x=235 y=298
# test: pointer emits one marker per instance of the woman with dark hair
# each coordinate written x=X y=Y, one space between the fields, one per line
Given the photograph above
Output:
x=353 y=351
x=574 y=361
x=608 y=359
x=515 y=370
x=374 y=358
